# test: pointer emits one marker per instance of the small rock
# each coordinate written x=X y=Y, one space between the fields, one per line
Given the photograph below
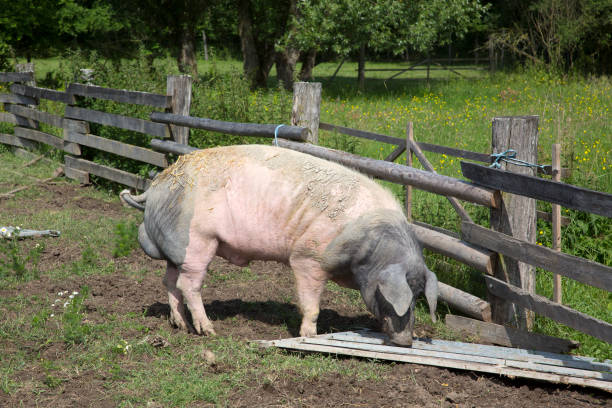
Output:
x=158 y=342
x=209 y=357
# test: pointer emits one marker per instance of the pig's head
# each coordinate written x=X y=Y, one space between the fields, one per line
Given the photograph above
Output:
x=390 y=294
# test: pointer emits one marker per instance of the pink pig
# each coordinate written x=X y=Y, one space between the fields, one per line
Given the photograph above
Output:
x=258 y=202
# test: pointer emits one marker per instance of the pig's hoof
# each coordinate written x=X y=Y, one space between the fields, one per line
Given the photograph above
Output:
x=205 y=330
x=308 y=331
x=181 y=324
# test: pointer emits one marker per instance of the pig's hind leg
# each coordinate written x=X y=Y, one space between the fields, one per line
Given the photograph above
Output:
x=310 y=282
x=175 y=299
x=192 y=272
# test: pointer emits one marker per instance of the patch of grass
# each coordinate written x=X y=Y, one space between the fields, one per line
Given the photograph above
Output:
x=126 y=238
x=75 y=331
x=17 y=262
x=244 y=274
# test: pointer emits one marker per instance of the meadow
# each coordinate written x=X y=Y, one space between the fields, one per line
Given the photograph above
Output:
x=449 y=110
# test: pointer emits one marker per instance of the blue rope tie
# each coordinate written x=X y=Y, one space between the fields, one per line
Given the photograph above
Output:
x=276 y=135
x=509 y=156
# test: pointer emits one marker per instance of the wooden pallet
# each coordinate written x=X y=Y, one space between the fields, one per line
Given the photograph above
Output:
x=512 y=362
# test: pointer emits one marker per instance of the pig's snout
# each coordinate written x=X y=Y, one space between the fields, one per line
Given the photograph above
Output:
x=399 y=329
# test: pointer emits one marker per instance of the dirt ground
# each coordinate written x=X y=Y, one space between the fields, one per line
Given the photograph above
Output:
x=256 y=308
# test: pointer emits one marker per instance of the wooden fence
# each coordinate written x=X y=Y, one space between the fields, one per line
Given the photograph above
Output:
x=485 y=250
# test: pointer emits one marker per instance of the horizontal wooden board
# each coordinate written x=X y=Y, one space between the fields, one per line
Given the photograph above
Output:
x=509 y=337
x=121 y=95
x=233 y=128
x=16 y=76
x=34 y=114
x=74 y=174
x=363 y=134
x=17 y=141
x=17 y=120
x=582 y=270
x=548 y=217
x=109 y=173
x=558 y=312
x=120 y=121
x=118 y=148
x=35 y=92
x=48 y=139
x=555 y=192
x=14 y=98
x=450 y=151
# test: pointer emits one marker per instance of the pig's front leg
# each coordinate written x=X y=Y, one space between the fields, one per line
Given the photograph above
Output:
x=310 y=282
x=198 y=255
x=175 y=299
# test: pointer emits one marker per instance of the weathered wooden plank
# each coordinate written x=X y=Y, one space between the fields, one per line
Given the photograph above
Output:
x=35 y=92
x=118 y=148
x=445 y=362
x=582 y=270
x=179 y=88
x=16 y=76
x=169 y=146
x=397 y=173
x=81 y=176
x=465 y=302
x=48 y=139
x=480 y=259
x=17 y=141
x=566 y=195
x=120 y=95
x=232 y=128
x=34 y=114
x=560 y=313
x=16 y=120
x=109 y=173
x=518 y=354
x=13 y=98
x=363 y=134
x=451 y=354
x=451 y=151
x=120 y=121
x=510 y=337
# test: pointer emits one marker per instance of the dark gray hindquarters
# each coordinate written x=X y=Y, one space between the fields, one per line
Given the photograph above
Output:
x=166 y=223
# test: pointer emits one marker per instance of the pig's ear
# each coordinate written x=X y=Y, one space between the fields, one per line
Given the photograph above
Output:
x=394 y=288
x=431 y=293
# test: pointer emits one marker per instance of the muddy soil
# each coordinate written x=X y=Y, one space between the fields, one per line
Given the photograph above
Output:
x=261 y=305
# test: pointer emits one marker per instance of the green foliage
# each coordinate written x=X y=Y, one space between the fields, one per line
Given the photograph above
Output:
x=74 y=330
x=16 y=262
x=126 y=238
x=389 y=25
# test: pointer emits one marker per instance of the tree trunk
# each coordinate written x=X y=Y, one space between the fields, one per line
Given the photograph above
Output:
x=258 y=58
x=187 y=62
x=361 y=68
x=285 y=66
x=308 y=60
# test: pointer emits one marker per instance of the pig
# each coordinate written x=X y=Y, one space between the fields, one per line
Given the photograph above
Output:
x=255 y=202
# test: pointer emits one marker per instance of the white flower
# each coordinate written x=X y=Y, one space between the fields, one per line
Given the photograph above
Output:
x=51 y=315
x=75 y=293
x=66 y=304
x=71 y=296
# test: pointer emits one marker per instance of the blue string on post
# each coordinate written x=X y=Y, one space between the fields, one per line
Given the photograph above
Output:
x=276 y=135
x=509 y=156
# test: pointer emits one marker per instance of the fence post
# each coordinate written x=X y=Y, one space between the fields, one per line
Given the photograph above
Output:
x=306 y=108
x=517 y=215
x=556 y=221
x=409 y=139
x=179 y=88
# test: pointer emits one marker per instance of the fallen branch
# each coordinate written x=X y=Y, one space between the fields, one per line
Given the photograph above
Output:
x=31 y=162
